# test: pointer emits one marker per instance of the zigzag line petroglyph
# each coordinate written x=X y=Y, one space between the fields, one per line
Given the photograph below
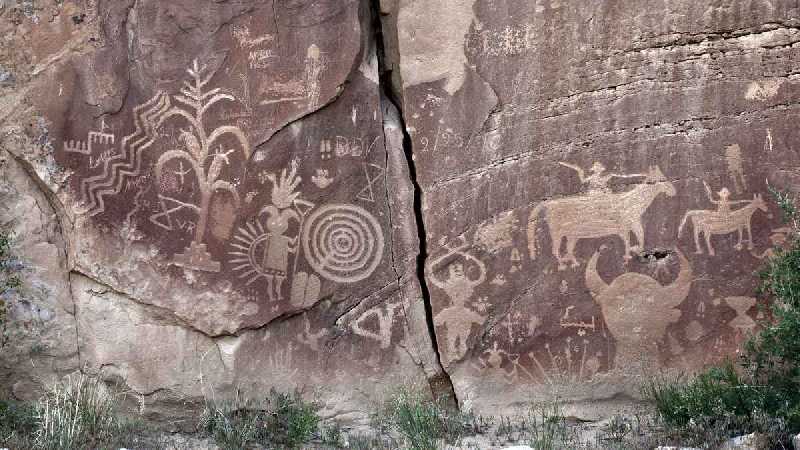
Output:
x=128 y=162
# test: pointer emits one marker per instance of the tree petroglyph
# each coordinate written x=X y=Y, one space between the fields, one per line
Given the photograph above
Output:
x=198 y=147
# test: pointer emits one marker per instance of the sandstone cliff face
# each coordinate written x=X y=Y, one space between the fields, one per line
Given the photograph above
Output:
x=500 y=199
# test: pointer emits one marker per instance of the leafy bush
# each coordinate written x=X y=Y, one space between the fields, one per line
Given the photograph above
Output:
x=762 y=392
x=281 y=421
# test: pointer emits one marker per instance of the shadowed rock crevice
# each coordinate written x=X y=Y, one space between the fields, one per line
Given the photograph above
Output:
x=441 y=385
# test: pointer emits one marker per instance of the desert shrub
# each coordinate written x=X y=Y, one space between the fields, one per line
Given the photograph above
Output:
x=9 y=280
x=761 y=391
x=77 y=412
x=281 y=420
x=547 y=428
x=17 y=424
x=423 y=422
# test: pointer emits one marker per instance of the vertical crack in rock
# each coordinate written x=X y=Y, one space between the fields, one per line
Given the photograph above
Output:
x=442 y=385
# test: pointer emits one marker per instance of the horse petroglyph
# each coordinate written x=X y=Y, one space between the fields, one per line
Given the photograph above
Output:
x=598 y=213
x=723 y=220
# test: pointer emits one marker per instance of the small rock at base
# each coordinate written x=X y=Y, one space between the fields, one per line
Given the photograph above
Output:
x=796 y=442
x=752 y=441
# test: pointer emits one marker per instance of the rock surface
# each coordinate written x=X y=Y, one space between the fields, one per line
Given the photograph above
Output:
x=233 y=194
x=211 y=196
x=594 y=177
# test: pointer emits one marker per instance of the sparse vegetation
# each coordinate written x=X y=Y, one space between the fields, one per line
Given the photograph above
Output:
x=281 y=420
x=9 y=281
x=425 y=423
x=17 y=424
x=77 y=412
x=761 y=391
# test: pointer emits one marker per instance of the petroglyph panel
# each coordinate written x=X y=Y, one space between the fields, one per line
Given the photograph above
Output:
x=606 y=176
x=232 y=169
x=591 y=181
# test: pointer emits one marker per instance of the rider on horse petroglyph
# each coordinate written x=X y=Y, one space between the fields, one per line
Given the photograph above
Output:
x=723 y=204
x=598 y=180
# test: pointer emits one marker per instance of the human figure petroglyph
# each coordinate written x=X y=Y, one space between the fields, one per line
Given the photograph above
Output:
x=598 y=177
x=597 y=214
x=278 y=246
x=637 y=309
x=263 y=251
x=724 y=203
x=723 y=220
x=733 y=155
x=496 y=358
x=459 y=286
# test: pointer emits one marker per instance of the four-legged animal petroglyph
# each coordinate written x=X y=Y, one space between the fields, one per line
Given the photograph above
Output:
x=723 y=220
x=597 y=214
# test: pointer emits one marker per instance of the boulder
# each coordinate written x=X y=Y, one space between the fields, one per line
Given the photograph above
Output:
x=753 y=441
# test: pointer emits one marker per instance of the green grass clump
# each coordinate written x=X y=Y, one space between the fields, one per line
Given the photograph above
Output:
x=77 y=412
x=281 y=420
x=9 y=280
x=17 y=424
x=425 y=423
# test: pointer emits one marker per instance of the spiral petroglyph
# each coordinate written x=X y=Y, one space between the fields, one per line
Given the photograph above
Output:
x=343 y=243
